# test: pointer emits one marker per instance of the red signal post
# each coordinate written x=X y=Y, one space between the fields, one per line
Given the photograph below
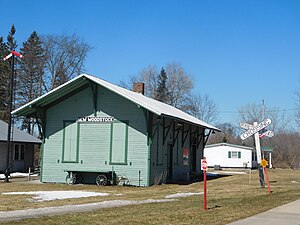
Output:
x=264 y=164
x=204 y=168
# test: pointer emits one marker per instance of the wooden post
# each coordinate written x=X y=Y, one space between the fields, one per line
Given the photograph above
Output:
x=29 y=171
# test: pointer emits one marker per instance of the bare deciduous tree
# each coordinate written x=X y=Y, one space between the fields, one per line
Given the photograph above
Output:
x=148 y=76
x=65 y=56
x=286 y=150
x=297 y=114
x=229 y=134
x=203 y=108
x=256 y=113
x=179 y=86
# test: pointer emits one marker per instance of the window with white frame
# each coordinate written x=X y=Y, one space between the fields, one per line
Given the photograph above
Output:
x=19 y=151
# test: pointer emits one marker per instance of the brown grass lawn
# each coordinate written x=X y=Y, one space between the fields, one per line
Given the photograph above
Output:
x=229 y=198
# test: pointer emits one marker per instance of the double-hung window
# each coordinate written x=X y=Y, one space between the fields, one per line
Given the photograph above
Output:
x=234 y=154
x=19 y=152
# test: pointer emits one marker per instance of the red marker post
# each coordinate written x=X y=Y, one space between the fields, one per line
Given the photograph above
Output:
x=204 y=168
x=264 y=164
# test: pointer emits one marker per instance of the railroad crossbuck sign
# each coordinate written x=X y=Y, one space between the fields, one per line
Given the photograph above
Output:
x=268 y=133
x=252 y=129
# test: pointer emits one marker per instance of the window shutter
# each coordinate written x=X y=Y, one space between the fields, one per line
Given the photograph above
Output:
x=229 y=154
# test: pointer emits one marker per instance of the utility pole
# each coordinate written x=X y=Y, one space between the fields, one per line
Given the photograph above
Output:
x=12 y=81
x=257 y=145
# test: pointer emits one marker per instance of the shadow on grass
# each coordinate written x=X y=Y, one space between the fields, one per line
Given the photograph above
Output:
x=199 y=179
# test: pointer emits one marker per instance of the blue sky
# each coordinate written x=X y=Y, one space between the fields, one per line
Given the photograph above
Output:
x=238 y=52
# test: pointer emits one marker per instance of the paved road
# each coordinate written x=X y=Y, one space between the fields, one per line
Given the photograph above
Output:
x=288 y=214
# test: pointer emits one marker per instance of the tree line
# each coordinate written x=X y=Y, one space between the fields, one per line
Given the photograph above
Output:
x=50 y=60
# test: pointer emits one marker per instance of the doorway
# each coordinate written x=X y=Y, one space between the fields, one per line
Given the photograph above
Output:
x=194 y=158
x=170 y=162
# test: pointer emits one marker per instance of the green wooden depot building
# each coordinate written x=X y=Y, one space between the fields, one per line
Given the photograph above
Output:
x=95 y=131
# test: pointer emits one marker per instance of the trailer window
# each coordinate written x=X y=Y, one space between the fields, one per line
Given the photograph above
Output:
x=234 y=154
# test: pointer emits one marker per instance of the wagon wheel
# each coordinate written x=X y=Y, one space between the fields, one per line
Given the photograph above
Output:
x=71 y=178
x=101 y=179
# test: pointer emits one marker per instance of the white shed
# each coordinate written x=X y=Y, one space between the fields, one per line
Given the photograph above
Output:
x=228 y=155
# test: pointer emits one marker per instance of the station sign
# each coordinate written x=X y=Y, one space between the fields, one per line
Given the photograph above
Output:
x=96 y=119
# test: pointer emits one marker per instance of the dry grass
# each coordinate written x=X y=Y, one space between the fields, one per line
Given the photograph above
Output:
x=229 y=198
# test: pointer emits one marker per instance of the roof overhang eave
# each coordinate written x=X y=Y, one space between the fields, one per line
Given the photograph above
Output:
x=31 y=107
x=190 y=122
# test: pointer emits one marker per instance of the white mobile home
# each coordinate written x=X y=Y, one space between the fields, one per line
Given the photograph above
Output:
x=228 y=155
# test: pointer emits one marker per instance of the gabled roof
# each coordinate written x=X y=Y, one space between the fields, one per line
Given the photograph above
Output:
x=150 y=104
x=17 y=135
x=229 y=145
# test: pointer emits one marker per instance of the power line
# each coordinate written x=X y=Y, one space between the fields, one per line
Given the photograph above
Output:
x=266 y=111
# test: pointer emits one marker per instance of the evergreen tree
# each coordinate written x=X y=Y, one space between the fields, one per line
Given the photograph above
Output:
x=30 y=82
x=12 y=45
x=11 y=42
x=161 y=91
x=4 y=82
x=5 y=73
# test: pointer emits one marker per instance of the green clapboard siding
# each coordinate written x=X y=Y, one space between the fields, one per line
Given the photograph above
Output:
x=70 y=141
x=120 y=146
x=119 y=143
